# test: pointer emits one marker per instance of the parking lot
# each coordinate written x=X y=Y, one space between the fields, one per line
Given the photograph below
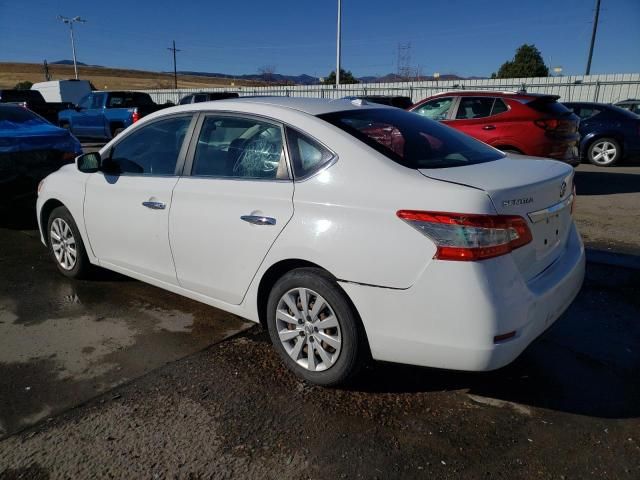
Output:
x=118 y=377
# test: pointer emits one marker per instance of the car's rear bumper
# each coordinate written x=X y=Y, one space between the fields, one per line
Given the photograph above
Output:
x=450 y=317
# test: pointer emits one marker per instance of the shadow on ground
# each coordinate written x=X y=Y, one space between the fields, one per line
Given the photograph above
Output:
x=606 y=182
x=588 y=363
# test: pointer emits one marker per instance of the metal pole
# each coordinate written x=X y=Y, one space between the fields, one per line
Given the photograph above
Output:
x=593 y=35
x=338 y=42
x=73 y=49
x=175 y=68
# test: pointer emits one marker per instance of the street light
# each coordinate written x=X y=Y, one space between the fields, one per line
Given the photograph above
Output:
x=70 y=22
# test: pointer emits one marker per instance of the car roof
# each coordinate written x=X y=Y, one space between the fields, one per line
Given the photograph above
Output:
x=492 y=93
x=312 y=106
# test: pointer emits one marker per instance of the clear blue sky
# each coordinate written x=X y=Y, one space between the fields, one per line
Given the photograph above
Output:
x=467 y=37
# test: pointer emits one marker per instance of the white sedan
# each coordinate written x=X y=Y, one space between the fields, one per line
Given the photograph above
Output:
x=349 y=230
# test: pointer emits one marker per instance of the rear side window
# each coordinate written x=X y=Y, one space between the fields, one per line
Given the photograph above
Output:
x=412 y=140
x=186 y=100
x=307 y=155
x=236 y=147
x=152 y=149
x=474 y=107
x=587 y=112
x=499 y=107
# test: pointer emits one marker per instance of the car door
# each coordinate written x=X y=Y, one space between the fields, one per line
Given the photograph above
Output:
x=127 y=204
x=94 y=117
x=79 y=117
x=229 y=210
x=480 y=117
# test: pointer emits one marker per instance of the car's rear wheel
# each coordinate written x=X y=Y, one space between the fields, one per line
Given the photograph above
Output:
x=604 y=152
x=116 y=131
x=65 y=244
x=314 y=327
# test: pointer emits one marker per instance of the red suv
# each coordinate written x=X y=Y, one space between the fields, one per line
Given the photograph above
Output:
x=526 y=123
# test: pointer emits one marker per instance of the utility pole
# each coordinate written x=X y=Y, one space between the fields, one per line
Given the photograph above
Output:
x=70 y=22
x=175 y=71
x=593 y=35
x=338 y=43
x=47 y=75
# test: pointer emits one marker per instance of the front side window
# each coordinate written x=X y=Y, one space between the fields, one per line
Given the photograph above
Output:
x=437 y=109
x=152 y=149
x=201 y=97
x=412 y=140
x=307 y=155
x=474 y=107
x=235 y=147
x=97 y=100
x=186 y=100
x=85 y=102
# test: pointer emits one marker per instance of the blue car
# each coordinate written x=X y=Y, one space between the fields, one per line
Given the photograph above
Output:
x=609 y=134
x=30 y=149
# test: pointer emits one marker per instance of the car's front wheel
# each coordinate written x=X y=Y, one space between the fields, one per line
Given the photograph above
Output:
x=314 y=327
x=604 y=152
x=65 y=244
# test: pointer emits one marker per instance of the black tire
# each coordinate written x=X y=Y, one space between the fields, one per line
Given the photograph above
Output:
x=116 y=131
x=596 y=153
x=82 y=267
x=65 y=125
x=351 y=354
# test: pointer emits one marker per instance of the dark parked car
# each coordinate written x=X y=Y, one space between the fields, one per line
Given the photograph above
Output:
x=30 y=149
x=34 y=101
x=631 y=104
x=527 y=123
x=391 y=100
x=207 y=97
x=609 y=133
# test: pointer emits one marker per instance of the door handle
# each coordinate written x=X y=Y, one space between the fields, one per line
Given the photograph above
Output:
x=155 y=205
x=258 y=219
x=489 y=127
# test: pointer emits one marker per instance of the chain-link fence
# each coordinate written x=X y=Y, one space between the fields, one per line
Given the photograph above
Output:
x=592 y=88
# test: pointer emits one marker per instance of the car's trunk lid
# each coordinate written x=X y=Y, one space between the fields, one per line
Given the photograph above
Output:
x=537 y=190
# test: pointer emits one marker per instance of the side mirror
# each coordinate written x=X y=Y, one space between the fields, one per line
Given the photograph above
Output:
x=89 y=162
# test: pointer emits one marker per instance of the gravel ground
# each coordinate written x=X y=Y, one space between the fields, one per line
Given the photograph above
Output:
x=568 y=408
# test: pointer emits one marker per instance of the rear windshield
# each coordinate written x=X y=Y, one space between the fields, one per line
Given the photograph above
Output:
x=549 y=106
x=411 y=139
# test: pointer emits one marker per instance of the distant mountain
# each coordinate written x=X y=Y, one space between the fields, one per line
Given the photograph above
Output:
x=304 y=79
x=70 y=62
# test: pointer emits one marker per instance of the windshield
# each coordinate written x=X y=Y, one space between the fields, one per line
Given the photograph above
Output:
x=412 y=140
x=19 y=115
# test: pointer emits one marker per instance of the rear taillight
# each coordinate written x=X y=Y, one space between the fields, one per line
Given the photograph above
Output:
x=548 y=124
x=469 y=237
x=135 y=116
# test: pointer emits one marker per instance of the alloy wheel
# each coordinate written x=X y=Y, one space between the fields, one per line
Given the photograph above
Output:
x=63 y=244
x=309 y=329
x=603 y=153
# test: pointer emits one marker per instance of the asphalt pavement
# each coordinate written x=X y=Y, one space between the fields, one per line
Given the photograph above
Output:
x=114 y=378
x=110 y=377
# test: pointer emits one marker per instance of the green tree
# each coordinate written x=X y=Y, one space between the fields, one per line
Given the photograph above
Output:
x=26 y=85
x=527 y=62
x=345 y=77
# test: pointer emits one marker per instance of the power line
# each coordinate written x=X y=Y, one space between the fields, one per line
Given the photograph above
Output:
x=175 y=70
x=593 y=35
